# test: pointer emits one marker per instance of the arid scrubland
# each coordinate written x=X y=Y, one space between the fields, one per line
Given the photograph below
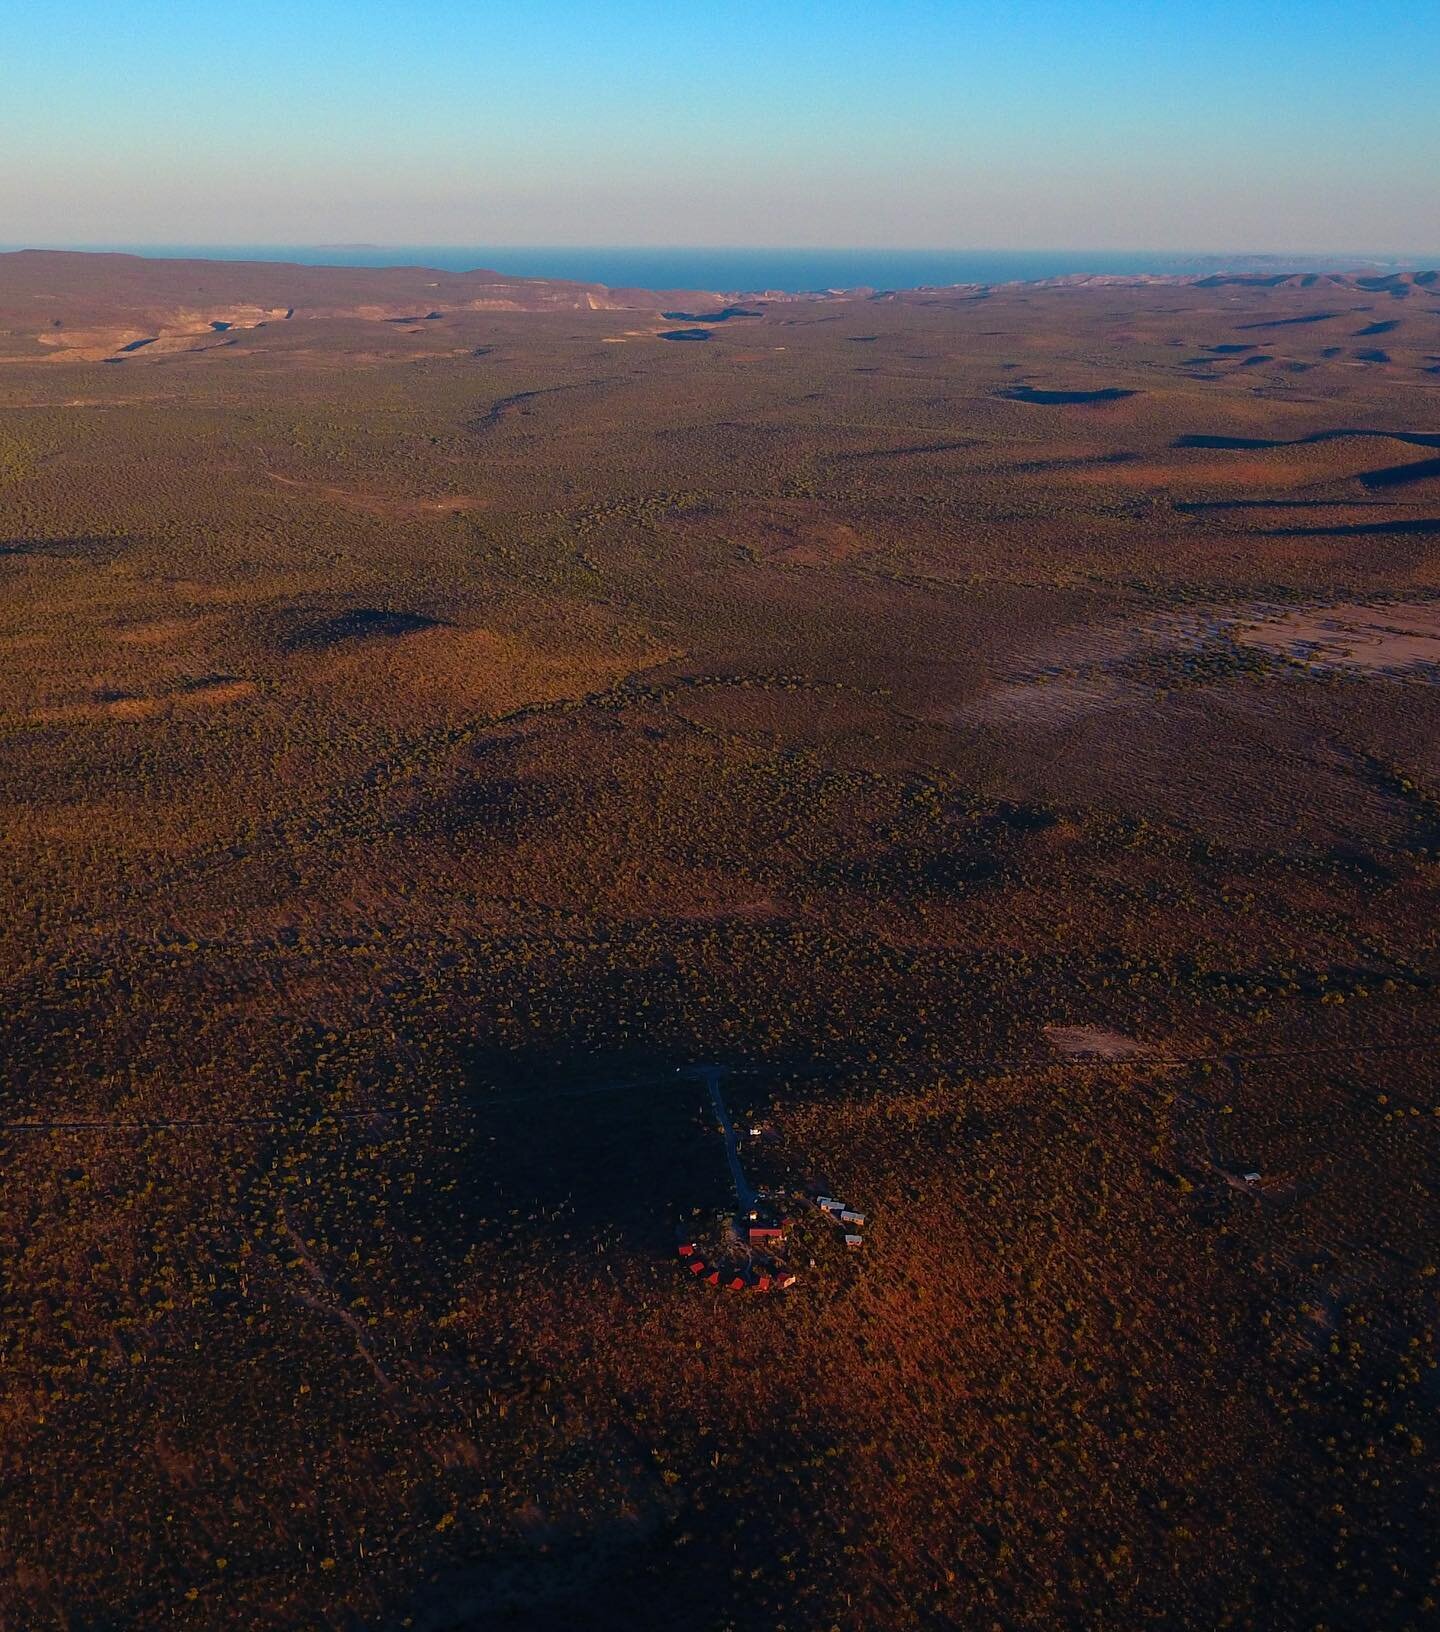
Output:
x=427 y=722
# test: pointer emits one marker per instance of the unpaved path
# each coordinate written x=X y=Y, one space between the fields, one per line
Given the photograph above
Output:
x=381 y=504
x=326 y=1303
x=710 y=1075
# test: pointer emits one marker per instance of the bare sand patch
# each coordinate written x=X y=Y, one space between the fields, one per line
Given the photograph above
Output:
x=1374 y=639
x=1053 y=701
x=1094 y=1043
x=1100 y=668
x=1071 y=674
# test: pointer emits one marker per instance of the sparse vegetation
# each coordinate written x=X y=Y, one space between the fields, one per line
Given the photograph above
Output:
x=378 y=840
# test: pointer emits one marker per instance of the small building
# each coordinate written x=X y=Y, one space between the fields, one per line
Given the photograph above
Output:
x=848 y=1217
x=758 y=1234
x=854 y=1242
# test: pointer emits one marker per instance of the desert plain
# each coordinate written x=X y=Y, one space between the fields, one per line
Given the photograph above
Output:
x=999 y=726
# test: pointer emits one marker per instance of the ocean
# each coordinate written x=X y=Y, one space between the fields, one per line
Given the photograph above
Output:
x=754 y=270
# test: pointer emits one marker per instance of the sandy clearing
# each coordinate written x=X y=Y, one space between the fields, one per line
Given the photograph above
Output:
x=1089 y=670
x=1047 y=701
x=1069 y=675
x=1094 y=1043
x=1374 y=639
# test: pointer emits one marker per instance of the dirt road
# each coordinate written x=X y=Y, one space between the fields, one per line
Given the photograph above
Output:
x=710 y=1075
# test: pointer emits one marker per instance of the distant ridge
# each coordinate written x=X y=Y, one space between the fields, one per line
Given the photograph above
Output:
x=88 y=306
x=1375 y=283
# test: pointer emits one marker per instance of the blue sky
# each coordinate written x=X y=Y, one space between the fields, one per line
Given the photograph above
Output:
x=1270 y=124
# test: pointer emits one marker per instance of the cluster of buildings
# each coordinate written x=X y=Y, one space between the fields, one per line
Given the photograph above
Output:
x=736 y=1278
x=762 y=1223
x=847 y=1218
x=765 y=1226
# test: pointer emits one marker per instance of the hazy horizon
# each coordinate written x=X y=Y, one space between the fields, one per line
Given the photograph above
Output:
x=756 y=246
